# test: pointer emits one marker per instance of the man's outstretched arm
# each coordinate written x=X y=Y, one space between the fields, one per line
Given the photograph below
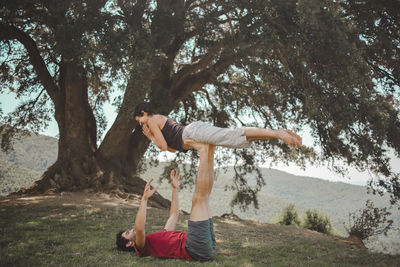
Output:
x=140 y=220
x=174 y=211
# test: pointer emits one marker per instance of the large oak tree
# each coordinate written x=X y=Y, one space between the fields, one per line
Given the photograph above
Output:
x=332 y=66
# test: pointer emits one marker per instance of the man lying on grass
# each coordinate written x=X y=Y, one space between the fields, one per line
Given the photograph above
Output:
x=196 y=244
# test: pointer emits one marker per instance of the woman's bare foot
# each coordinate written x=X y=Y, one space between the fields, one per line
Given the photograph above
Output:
x=299 y=140
x=290 y=137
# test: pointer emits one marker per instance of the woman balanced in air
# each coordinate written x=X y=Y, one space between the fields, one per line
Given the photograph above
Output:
x=169 y=135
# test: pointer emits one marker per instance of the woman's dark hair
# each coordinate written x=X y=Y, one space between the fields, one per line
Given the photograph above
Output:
x=144 y=106
x=121 y=242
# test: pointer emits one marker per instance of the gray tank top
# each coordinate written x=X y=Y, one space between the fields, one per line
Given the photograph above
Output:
x=172 y=132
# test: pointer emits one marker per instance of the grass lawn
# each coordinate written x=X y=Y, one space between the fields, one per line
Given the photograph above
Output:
x=69 y=235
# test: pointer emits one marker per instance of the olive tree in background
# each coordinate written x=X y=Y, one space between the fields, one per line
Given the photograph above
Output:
x=332 y=66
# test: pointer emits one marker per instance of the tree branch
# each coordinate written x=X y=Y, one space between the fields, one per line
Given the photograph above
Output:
x=189 y=6
x=250 y=93
x=208 y=98
x=196 y=81
x=135 y=14
x=12 y=33
x=190 y=69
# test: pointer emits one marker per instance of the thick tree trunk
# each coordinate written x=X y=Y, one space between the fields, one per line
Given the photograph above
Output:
x=79 y=166
x=77 y=134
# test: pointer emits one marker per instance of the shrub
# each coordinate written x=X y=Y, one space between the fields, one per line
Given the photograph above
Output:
x=369 y=221
x=317 y=222
x=289 y=216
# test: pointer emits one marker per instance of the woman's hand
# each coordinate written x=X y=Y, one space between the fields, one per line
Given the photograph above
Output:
x=146 y=131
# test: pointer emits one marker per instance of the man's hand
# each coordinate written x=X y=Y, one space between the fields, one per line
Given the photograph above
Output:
x=174 y=210
x=147 y=191
x=175 y=179
x=146 y=131
x=140 y=220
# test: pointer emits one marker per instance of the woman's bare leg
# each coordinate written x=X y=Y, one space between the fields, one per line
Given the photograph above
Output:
x=287 y=136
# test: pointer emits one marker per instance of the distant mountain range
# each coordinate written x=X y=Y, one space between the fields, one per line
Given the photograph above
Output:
x=35 y=152
x=32 y=155
x=25 y=163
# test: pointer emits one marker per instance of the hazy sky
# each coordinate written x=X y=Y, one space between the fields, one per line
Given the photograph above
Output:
x=8 y=103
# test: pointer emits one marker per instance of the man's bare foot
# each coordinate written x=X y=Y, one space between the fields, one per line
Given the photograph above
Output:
x=211 y=148
x=290 y=138
x=197 y=146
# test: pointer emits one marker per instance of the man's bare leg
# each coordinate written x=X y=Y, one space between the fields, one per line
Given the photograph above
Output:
x=200 y=242
x=200 y=206
x=211 y=151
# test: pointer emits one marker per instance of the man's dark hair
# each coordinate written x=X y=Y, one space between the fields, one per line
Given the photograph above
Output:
x=144 y=106
x=121 y=242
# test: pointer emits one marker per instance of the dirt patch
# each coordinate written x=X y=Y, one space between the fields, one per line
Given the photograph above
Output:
x=82 y=199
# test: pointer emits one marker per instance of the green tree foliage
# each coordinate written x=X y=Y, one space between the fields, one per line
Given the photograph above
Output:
x=369 y=221
x=317 y=222
x=289 y=216
x=329 y=65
